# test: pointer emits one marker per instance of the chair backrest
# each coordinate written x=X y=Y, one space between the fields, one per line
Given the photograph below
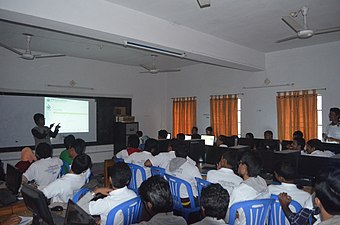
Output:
x=200 y=185
x=155 y=170
x=80 y=194
x=256 y=211
x=277 y=216
x=134 y=182
x=130 y=210
x=117 y=160
x=175 y=187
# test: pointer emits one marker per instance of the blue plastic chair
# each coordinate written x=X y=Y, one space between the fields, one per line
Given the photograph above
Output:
x=130 y=210
x=133 y=185
x=155 y=170
x=256 y=211
x=117 y=160
x=80 y=194
x=175 y=187
x=277 y=216
x=200 y=185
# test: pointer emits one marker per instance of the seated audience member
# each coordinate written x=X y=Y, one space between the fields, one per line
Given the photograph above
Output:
x=181 y=167
x=249 y=136
x=209 y=131
x=327 y=199
x=285 y=174
x=222 y=141
x=63 y=189
x=46 y=169
x=180 y=136
x=268 y=135
x=156 y=196
x=194 y=133
x=297 y=134
x=162 y=134
x=119 y=177
x=225 y=173
x=332 y=133
x=77 y=147
x=26 y=159
x=253 y=186
x=214 y=205
x=315 y=147
x=298 y=144
x=132 y=147
x=65 y=155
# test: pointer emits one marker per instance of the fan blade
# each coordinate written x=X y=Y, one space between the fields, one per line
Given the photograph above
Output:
x=11 y=49
x=48 y=56
x=327 y=30
x=292 y=23
x=286 y=39
x=169 y=70
x=145 y=67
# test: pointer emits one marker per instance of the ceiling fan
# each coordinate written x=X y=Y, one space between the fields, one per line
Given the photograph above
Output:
x=153 y=69
x=303 y=32
x=28 y=54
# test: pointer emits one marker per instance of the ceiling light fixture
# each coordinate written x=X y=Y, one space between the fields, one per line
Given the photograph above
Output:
x=153 y=49
x=204 y=3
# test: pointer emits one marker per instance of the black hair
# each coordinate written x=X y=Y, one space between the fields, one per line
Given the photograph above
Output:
x=133 y=141
x=43 y=151
x=120 y=174
x=156 y=190
x=68 y=140
x=210 y=129
x=298 y=133
x=139 y=133
x=194 y=128
x=301 y=142
x=328 y=191
x=37 y=117
x=215 y=201
x=79 y=146
x=223 y=139
x=336 y=110
x=286 y=169
x=316 y=143
x=253 y=162
x=180 y=137
x=180 y=148
x=232 y=158
x=81 y=163
x=162 y=134
x=250 y=135
x=268 y=132
x=151 y=146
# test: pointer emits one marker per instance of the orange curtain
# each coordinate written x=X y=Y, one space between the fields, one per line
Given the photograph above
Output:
x=223 y=114
x=297 y=110
x=184 y=115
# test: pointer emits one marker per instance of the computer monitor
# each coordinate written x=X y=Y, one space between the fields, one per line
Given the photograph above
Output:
x=75 y=215
x=13 y=179
x=36 y=202
x=168 y=136
x=187 y=137
x=196 y=149
x=208 y=139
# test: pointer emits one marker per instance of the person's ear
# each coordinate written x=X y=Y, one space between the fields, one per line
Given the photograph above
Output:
x=317 y=202
x=203 y=211
x=149 y=205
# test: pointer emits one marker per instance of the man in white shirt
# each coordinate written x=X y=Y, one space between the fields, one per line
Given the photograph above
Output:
x=224 y=174
x=253 y=186
x=214 y=205
x=46 y=169
x=315 y=147
x=63 y=189
x=119 y=176
x=332 y=133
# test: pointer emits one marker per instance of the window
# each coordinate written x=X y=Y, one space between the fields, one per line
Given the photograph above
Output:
x=183 y=115
x=319 y=109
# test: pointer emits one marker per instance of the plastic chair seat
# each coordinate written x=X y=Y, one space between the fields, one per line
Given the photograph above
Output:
x=130 y=210
x=134 y=182
x=80 y=194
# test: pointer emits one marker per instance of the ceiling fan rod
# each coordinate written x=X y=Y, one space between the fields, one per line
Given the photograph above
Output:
x=154 y=49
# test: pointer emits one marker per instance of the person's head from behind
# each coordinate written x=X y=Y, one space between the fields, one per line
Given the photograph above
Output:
x=334 y=115
x=39 y=119
x=194 y=130
x=249 y=135
x=250 y=165
x=313 y=145
x=133 y=141
x=221 y=140
x=77 y=147
x=180 y=136
x=285 y=172
x=139 y=133
x=209 y=131
x=297 y=134
x=298 y=144
x=81 y=163
x=156 y=195
x=268 y=135
x=328 y=194
x=68 y=140
x=229 y=160
x=214 y=201
x=119 y=175
x=151 y=146
x=162 y=134
x=43 y=151
x=180 y=148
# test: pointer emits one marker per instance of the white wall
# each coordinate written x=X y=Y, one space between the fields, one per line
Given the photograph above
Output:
x=308 y=67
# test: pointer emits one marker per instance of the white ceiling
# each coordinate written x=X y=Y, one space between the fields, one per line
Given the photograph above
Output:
x=255 y=24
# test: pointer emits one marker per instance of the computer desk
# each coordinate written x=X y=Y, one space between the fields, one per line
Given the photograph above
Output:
x=18 y=208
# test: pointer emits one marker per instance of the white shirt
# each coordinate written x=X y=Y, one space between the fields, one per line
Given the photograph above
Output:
x=162 y=159
x=164 y=219
x=333 y=131
x=225 y=177
x=44 y=171
x=63 y=189
x=319 y=153
x=210 y=221
x=139 y=159
x=123 y=154
x=186 y=172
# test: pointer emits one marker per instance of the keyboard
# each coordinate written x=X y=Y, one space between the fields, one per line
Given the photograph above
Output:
x=7 y=197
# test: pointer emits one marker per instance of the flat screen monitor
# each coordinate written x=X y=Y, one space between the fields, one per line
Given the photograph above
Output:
x=13 y=179
x=36 y=202
x=196 y=150
x=208 y=139
x=187 y=137
x=168 y=136
x=75 y=215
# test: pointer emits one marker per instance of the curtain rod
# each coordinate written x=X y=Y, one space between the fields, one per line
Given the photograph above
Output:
x=269 y=86
x=317 y=89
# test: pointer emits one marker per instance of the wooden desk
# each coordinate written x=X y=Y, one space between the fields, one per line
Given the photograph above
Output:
x=18 y=208
x=107 y=163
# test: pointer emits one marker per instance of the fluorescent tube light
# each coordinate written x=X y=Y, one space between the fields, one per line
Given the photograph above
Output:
x=153 y=49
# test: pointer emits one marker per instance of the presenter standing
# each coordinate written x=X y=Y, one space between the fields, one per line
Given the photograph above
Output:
x=42 y=133
x=332 y=133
